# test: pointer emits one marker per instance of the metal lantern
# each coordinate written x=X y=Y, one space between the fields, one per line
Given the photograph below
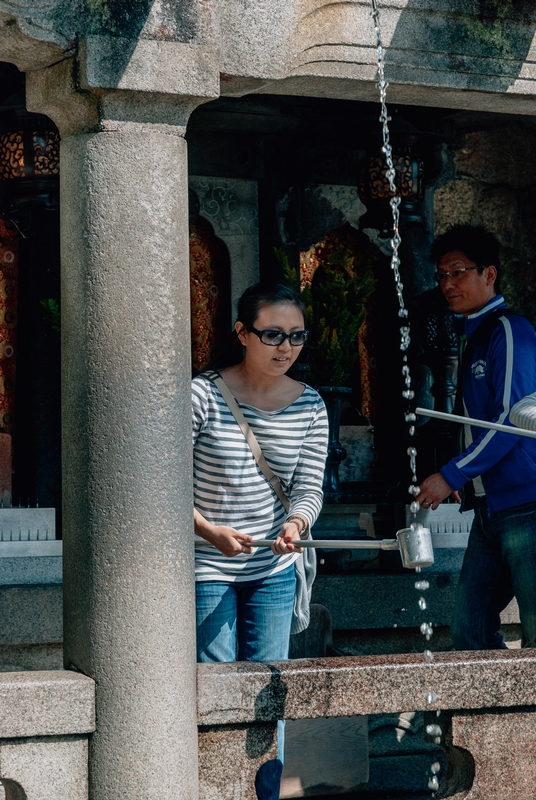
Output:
x=29 y=164
x=25 y=154
x=375 y=192
x=374 y=184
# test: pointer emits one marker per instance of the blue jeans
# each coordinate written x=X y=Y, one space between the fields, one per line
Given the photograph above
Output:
x=499 y=564
x=248 y=621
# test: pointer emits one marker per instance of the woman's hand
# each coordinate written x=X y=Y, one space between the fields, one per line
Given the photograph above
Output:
x=227 y=540
x=290 y=531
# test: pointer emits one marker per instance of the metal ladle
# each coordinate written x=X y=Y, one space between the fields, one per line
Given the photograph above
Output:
x=477 y=423
x=414 y=543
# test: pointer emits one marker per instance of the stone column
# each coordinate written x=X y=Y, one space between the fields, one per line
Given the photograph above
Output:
x=128 y=553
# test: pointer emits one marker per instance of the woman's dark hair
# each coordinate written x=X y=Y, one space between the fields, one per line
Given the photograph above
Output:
x=478 y=244
x=250 y=305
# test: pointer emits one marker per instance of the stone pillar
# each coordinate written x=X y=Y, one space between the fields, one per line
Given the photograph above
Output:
x=128 y=553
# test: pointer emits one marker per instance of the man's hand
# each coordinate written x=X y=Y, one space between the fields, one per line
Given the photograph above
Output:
x=434 y=490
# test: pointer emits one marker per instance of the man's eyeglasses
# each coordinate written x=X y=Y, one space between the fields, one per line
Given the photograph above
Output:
x=453 y=274
x=275 y=338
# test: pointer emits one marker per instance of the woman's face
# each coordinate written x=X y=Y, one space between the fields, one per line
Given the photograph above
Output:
x=266 y=358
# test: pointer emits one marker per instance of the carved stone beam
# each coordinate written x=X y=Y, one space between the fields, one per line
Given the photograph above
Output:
x=115 y=84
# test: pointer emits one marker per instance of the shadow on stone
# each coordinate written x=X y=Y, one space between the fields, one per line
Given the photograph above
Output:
x=269 y=703
x=13 y=790
x=460 y=773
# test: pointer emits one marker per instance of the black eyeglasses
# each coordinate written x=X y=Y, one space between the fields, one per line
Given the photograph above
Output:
x=453 y=274
x=275 y=338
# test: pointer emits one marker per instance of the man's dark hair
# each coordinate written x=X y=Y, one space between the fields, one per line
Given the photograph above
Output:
x=477 y=243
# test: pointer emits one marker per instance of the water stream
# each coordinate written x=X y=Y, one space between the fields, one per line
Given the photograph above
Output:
x=426 y=628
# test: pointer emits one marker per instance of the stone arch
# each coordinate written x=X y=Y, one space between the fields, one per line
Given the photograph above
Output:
x=29 y=45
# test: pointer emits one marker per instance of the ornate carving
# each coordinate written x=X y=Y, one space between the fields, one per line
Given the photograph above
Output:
x=374 y=184
x=231 y=207
x=46 y=146
x=14 y=160
x=9 y=240
x=11 y=155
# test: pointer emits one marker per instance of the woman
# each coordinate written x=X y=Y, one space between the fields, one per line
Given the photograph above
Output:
x=246 y=596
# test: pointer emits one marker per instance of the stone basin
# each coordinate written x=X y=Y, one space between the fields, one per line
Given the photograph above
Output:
x=487 y=704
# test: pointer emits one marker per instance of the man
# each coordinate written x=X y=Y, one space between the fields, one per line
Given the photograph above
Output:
x=499 y=369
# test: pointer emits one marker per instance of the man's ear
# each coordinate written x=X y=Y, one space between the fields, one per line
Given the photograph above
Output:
x=491 y=275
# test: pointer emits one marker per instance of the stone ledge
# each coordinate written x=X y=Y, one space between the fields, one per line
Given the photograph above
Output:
x=46 y=704
x=249 y=692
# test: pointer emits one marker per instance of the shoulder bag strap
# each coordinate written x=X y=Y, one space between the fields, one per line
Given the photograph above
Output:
x=255 y=448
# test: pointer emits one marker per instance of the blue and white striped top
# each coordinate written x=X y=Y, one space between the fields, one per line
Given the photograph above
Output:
x=230 y=489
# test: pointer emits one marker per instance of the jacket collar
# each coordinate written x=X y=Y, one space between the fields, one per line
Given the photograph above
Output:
x=491 y=305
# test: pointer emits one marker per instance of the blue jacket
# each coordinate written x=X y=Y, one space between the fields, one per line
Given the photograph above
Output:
x=502 y=371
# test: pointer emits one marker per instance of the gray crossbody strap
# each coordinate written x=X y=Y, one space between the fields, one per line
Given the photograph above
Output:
x=255 y=448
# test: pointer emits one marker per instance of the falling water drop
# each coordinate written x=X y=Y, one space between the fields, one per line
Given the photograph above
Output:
x=412 y=430
x=433 y=783
x=427 y=629
x=422 y=585
x=436 y=767
x=410 y=417
x=417 y=570
x=422 y=603
x=428 y=656
x=430 y=697
x=414 y=506
x=433 y=730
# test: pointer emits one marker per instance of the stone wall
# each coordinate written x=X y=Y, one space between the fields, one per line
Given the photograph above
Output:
x=493 y=185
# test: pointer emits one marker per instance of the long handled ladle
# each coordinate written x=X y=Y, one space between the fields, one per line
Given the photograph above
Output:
x=478 y=423
x=414 y=543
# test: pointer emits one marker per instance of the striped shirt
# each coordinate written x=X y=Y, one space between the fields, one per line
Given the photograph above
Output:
x=230 y=489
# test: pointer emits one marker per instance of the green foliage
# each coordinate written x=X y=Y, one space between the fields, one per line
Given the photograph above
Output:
x=292 y=276
x=337 y=307
x=52 y=313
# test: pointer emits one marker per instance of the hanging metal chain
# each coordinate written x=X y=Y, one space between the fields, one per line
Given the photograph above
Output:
x=385 y=119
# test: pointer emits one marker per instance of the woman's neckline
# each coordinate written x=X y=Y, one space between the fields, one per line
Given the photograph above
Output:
x=274 y=410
